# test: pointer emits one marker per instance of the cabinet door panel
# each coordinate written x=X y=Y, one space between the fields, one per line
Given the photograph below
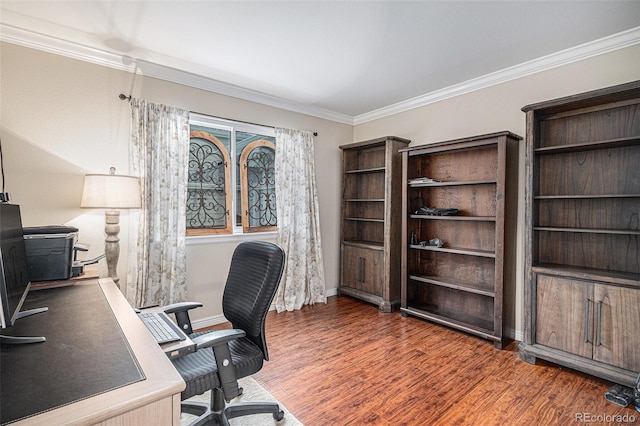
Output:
x=371 y=271
x=362 y=269
x=564 y=315
x=350 y=267
x=617 y=325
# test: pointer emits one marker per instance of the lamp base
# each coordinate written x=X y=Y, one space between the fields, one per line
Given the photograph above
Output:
x=112 y=243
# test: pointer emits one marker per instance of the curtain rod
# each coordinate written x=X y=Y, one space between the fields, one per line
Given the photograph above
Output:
x=128 y=98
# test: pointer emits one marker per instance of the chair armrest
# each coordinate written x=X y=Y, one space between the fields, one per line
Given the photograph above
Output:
x=181 y=310
x=217 y=337
x=180 y=307
x=219 y=342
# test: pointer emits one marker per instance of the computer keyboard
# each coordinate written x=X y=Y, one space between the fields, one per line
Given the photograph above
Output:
x=161 y=327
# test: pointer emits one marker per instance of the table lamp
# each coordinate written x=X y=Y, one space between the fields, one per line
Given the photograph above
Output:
x=111 y=192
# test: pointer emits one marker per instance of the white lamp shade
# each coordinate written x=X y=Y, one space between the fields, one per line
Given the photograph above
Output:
x=111 y=192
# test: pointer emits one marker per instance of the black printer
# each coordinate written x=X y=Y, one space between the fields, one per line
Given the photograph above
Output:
x=50 y=251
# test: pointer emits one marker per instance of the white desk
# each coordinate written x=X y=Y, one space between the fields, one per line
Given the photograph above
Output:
x=153 y=401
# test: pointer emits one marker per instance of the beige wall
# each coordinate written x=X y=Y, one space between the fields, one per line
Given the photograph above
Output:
x=61 y=118
x=498 y=108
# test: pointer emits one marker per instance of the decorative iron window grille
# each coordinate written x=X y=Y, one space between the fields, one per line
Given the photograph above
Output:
x=223 y=195
x=207 y=194
x=259 y=193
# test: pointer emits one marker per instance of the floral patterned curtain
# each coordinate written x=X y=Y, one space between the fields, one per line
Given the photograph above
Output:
x=159 y=153
x=298 y=221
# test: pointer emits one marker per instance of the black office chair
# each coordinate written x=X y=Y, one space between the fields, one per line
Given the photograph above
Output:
x=223 y=356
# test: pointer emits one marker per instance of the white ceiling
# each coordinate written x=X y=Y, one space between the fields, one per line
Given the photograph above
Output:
x=348 y=58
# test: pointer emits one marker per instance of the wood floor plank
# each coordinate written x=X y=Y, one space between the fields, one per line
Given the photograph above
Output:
x=345 y=363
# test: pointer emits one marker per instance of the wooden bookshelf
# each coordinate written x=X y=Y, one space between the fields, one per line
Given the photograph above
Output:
x=461 y=284
x=370 y=221
x=582 y=242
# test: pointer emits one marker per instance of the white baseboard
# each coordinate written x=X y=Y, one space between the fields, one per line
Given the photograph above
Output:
x=514 y=334
x=208 y=322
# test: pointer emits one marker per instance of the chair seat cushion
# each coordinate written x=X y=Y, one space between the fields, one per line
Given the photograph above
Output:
x=200 y=372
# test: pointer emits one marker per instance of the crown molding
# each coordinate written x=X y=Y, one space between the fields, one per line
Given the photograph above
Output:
x=18 y=36
x=14 y=35
x=21 y=37
x=564 y=57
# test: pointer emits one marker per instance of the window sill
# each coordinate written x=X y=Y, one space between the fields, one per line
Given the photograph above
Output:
x=228 y=238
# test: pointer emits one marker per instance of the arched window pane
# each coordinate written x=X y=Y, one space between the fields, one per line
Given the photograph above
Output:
x=244 y=140
x=206 y=188
x=260 y=187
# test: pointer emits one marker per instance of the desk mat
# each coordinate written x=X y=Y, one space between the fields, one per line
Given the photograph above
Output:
x=86 y=353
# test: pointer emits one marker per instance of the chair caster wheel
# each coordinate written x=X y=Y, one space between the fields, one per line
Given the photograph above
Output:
x=279 y=415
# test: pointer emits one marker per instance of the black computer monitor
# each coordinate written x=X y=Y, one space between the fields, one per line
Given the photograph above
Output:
x=14 y=273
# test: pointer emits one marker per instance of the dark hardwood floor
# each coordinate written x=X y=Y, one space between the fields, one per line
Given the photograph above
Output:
x=344 y=363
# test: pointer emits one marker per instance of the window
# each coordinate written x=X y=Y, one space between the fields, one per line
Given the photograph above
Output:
x=258 y=186
x=226 y=196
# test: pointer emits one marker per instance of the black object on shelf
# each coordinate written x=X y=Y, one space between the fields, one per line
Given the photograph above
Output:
x=431 y=211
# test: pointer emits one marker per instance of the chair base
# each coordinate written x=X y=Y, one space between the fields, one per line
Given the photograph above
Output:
x=217 y=412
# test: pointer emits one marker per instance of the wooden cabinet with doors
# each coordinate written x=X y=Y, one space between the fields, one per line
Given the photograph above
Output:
x=592 y=320
x=365 y=271
x=371 y=220
x=582 y=233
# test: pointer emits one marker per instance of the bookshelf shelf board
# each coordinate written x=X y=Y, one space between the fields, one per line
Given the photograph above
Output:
x=451 y=284
x=588 y=230
x=439 y=184
x=588 y=274
x=364 y=219
x=373 y=245
x=586 y=146
x=473 y=325
x=467 y=252
x=455 y=217
x=584 y=196
x=371 y=170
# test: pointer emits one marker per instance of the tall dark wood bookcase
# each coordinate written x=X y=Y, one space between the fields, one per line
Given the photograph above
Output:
x=582 y=290
x=370 y=222
x=461 y=284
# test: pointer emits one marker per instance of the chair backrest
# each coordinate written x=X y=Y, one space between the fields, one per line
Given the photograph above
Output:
x=254 y=275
